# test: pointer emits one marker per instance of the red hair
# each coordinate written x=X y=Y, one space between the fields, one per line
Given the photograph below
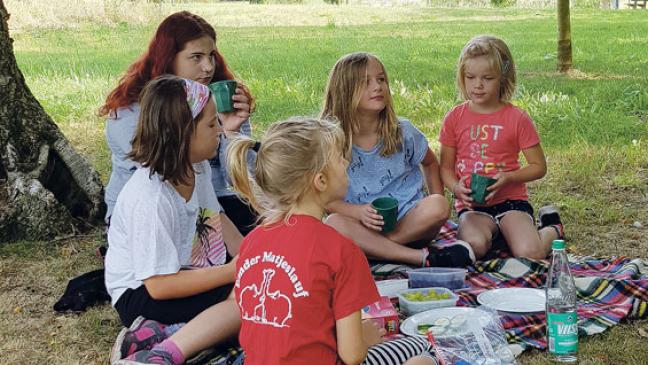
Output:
x=170 y=38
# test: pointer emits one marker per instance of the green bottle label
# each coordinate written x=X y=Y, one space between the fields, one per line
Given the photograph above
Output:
x=563 y=333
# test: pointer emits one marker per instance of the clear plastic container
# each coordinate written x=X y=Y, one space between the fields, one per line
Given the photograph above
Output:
x=412 y=307
x=427 y=277
x=390 y=288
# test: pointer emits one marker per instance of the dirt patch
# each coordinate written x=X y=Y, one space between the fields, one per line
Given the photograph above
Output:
x=576 y=74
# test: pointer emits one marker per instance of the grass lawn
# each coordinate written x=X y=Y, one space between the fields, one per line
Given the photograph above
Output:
x=593 y=124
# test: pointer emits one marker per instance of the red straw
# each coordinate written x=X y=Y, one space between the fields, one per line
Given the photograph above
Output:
x=430 y=338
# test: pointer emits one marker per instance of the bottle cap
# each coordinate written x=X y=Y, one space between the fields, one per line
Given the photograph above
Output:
x=558 y=245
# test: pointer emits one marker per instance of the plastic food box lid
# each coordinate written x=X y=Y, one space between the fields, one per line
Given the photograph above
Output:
x=412 y=307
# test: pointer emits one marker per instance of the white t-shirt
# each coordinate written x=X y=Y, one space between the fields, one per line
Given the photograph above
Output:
x=152 y=228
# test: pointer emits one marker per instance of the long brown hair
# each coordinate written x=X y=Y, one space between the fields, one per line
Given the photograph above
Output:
x=164 y=130
x=347 y=81
x=170 y=38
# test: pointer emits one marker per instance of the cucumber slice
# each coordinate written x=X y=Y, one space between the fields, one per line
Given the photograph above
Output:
x=422 y=329
x=437 y=331
x=458 y=320
x=442 y=322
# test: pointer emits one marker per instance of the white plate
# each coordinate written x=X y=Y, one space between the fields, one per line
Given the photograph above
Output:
x=409 y=326
x=390 y=288
x=514 y=300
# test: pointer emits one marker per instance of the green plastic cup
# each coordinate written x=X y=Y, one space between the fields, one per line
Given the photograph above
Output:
x=223 y=92
x=387 y=207
x=478 y=185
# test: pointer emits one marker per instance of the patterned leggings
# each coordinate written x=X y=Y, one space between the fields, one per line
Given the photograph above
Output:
x=396 y=352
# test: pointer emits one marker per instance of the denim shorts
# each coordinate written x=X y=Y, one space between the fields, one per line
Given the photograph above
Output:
x=497 y=211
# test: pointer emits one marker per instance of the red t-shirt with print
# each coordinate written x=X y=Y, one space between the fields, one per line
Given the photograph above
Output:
x=488 y=143
x=293 y=281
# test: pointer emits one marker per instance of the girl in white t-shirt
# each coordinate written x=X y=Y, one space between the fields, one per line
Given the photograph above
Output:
x=166 y=219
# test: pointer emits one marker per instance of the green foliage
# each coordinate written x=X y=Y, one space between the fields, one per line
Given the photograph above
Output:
x=71 y=71
x=502 y=3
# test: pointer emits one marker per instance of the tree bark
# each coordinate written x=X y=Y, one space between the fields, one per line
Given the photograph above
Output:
x=46 y=188
x=564 y=56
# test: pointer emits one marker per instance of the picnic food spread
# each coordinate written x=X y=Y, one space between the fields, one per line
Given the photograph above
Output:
x=443 y=325
x=452 y=320
x=421 y=296
x=412 y=301
x=471 y=335
x=599 y=282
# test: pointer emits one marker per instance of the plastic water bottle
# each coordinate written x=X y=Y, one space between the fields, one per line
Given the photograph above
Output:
x=562 y=327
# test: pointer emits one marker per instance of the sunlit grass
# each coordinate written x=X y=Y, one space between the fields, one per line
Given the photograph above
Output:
x=71 y=71
x=593 y=123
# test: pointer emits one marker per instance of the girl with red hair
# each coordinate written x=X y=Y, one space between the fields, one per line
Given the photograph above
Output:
x=184 y=45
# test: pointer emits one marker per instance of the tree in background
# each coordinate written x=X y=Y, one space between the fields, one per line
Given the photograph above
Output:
x=564 y=56
x=46 y=188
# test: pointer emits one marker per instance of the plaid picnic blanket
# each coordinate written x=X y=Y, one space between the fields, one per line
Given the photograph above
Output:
x=217 y=355
x=609 y=290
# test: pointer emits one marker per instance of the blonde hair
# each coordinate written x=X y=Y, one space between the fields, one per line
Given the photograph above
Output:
x=500 y=59
x=292 y=152
x=347 y=81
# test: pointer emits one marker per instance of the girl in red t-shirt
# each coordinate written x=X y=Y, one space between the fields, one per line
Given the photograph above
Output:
x=300 y=285
x=485 y=136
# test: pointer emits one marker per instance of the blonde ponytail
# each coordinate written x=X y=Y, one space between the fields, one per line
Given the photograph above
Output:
x=237 y=152
x=292 y=152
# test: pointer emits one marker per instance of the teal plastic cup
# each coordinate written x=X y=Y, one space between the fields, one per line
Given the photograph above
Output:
x=387 y=207
x=478 y=185
x=223 y=92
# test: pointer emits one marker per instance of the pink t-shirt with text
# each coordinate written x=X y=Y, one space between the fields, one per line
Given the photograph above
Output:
x=489 y=143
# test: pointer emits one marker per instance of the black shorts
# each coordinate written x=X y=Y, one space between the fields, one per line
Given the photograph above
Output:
x=138 y=302
x=497 y=211
x=241 y=214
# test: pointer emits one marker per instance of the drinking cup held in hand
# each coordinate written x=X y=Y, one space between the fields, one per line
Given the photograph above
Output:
x=478 y=185
x=223 y=92
x=387 y=207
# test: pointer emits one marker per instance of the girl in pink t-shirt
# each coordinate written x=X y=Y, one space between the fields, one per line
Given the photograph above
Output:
x=485 y=135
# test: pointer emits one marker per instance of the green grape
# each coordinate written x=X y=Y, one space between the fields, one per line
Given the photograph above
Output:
x=425 y=296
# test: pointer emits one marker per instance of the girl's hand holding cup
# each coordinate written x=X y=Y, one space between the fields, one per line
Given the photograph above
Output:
x=232 y=104
x=369 y=217
x=232 y=120
x=462 y=192
x=502 y=178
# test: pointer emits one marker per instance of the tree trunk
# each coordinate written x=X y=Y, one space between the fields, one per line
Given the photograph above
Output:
x=46 y=188
x=564 y=57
